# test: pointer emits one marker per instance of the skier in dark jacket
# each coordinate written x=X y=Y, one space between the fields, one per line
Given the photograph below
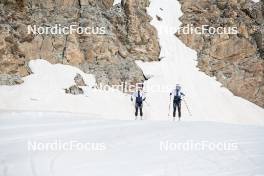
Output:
x=177 y=98
x=139 y=98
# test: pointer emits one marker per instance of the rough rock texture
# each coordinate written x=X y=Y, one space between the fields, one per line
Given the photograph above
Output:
x=74 y=90
x=237 y=61
x=79 y=80
x=10 y=80
x=129 y=36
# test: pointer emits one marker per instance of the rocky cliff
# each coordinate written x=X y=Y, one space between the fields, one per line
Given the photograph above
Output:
x=236 y=60
x=128 y=36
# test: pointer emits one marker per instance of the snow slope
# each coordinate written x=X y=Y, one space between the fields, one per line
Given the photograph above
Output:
x=206 y=98
x=132 y=148
x=44 y=91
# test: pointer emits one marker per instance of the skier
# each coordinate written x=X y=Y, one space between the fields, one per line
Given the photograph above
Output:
x=177 y=98
x=139 y=97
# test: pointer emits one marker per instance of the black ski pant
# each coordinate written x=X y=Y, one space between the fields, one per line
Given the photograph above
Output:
x=177 y=105
x=139 y=107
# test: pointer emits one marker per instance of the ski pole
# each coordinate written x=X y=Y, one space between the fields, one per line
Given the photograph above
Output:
x=169 y=106
x=187 y=106
x=146 y=103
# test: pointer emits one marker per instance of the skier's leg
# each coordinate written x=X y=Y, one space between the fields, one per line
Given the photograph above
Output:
x=136 y=113
x=179 y=110
x=141 y=111
x=174 y=109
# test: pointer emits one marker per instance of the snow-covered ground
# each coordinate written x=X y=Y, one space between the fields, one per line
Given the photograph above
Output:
x=131 y=148
x=39 y=111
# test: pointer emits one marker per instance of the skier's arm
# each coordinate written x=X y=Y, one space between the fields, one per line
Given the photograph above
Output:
x=172 y=93
x=143 y=97
x=182 y=94
x=132 y=97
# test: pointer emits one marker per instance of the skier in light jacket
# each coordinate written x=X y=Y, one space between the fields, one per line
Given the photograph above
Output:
x=139 y=97
x=177 y=95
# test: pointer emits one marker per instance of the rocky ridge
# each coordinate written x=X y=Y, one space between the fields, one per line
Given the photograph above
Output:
x=236 y=60
x=110 y=57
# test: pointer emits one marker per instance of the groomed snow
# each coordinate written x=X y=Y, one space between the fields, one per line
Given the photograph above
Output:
x=132 y=148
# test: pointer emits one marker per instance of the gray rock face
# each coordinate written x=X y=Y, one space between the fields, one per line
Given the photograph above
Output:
x=10 y=79
x=79 y=80
x=129 y=36
x=236 y=60
x=74 y=90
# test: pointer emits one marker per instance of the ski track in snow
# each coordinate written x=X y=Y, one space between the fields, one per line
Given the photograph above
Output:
x=132 y=147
